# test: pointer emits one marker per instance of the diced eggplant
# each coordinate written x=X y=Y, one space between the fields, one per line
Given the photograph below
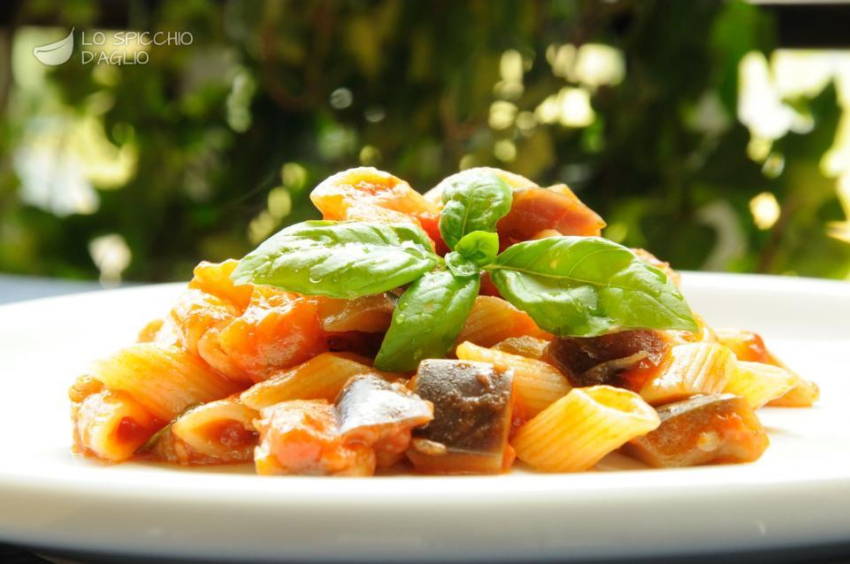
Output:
x=711 y=429
x=623 y=359
x=357 y=342
x=472 y=418
x=367 y=314
x=382 y=414
x=369 y=426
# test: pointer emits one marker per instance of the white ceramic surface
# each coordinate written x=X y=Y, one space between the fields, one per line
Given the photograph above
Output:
x=798 y=493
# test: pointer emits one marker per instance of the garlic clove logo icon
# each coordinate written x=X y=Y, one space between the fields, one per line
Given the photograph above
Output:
x=55 y=53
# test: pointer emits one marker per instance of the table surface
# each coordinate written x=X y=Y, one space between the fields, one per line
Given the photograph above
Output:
x=20 y=288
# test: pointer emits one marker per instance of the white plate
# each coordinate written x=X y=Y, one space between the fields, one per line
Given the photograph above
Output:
x=798 y=493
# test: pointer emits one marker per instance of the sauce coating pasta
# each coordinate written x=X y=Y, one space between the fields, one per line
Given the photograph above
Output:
x=482 y=326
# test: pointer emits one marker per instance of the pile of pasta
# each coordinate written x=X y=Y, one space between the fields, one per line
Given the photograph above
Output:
x=248 y=373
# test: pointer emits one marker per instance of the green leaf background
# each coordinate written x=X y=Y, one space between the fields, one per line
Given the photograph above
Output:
x=213 y=147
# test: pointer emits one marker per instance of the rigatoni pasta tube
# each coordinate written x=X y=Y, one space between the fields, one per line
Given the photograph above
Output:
x=111 y=425
x=759 y=383
x=321 y=377
x=694 y=368
x=165 y=380
x=578 y=430
x=537 y=385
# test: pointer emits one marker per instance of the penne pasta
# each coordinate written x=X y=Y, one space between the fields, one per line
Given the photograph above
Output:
x=214 y=278
x=746 y=345
x=165 y=380
x=529 y=347
x=149 y=332
x=161 y=331
x=578 y=430
x=198 y=313
x=345 y=195
x=321 y=377
x=749 y=346
x=217 y=432
x=493 y=320
x=281 y=366
x=111 y=425
x=760 y=383
x=695 y=368
x=538 y=209
x=804 y=394
x=537 y=385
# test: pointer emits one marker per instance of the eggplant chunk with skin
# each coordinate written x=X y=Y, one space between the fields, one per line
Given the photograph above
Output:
x=472 y=418
x=715 y=429
x=383 y=414
x=302 y=437
x=621 y=359
x=369 y=426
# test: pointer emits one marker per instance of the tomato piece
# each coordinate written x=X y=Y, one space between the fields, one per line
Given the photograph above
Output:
x=371 y=187
x=275 y=332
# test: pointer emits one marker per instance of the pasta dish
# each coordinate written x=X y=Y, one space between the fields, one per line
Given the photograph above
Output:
x=484 y=325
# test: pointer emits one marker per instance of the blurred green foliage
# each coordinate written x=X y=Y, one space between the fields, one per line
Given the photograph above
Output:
x=209 y=147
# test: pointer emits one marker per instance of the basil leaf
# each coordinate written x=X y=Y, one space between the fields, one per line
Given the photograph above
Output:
x=479 y=247
x=588 y=286
x=475 y=200
x=461 y=266
x=339 y=259
x=427 y=320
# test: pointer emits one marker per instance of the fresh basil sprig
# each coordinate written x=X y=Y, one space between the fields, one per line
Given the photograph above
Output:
x=576 y=286
x=588 y=286
x=427 y=319
x=473 y=200
x=339 y=259
x=479 y=247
